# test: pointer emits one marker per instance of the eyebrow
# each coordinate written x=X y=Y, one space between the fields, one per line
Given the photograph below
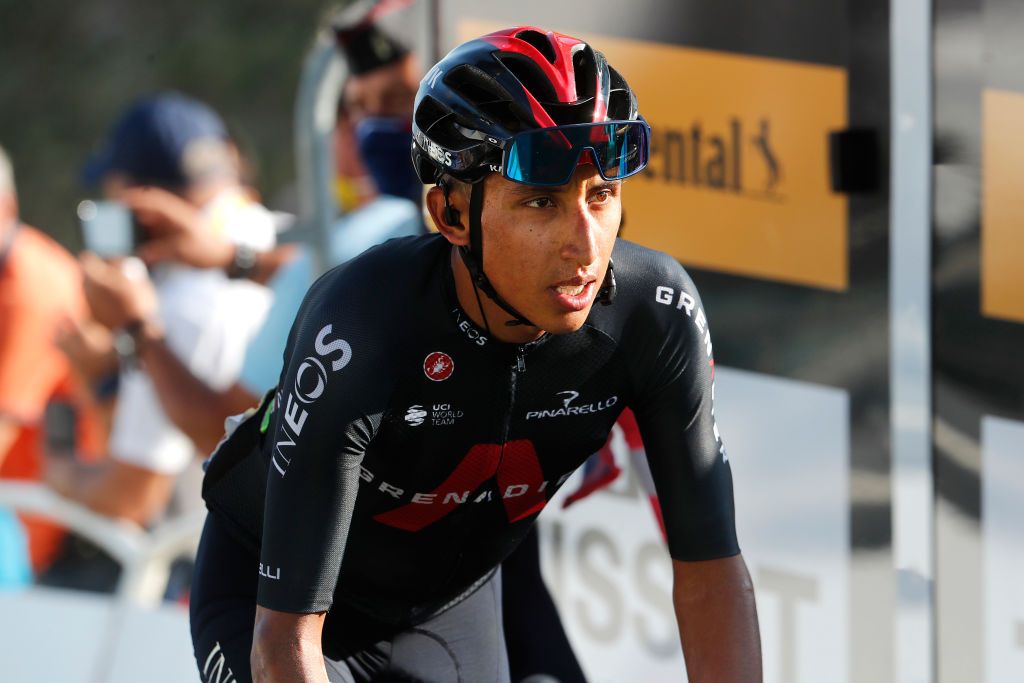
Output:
x=607 y=185
x=521 y=189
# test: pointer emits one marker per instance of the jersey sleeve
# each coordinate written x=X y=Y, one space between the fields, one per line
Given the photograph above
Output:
x=333 y=392
x=674 y=372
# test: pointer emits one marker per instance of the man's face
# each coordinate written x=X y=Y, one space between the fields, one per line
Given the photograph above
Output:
x=388 y=91
x=114 y=184
x=546 y=250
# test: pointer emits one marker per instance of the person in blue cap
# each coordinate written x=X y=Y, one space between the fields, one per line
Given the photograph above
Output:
x=170 y=141
x=169 y=160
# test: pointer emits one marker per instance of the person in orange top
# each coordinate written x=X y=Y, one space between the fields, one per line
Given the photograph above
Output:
x=40 y=290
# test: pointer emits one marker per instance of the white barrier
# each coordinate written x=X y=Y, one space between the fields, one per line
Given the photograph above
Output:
x=135 y=608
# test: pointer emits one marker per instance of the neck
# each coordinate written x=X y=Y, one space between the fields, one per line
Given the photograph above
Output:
x=493 y=317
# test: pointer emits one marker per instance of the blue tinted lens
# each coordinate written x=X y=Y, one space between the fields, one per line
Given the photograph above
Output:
x=549 y=156
x=513 y=170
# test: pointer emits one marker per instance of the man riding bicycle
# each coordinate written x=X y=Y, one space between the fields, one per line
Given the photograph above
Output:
x=437 y=391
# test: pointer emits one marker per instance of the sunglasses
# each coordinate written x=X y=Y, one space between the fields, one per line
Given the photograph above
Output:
x=549 y=156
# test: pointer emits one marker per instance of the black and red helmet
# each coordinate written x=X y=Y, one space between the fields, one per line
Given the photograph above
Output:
x=471 y=106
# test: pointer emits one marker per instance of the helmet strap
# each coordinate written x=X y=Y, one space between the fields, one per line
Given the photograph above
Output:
x=473 y=257
x=609 y=288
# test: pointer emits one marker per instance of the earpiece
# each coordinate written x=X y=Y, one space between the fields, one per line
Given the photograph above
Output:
x=452 y=216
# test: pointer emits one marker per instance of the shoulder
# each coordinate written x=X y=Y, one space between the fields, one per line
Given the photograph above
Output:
x=660 y=319
x=379 y=294
x=41 y=269
x=37 y=250
x=640 y=268
x=387 y=271
x=651 y=288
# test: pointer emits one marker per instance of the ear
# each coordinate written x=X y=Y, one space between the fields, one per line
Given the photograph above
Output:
x=8 y=208
x=456 y=232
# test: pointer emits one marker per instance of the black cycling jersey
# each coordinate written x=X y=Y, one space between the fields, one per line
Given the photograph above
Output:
x=407 y=453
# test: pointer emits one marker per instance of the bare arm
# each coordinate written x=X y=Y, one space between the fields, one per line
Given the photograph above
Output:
x=113 y=489
x=714 y=603
x=269 y=262
x=176 y=231
x=121 y=298
x=193 y=406
x=286 y=647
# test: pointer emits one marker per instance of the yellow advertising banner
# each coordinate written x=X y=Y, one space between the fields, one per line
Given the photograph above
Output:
x=1002 y=205
x=739 y=175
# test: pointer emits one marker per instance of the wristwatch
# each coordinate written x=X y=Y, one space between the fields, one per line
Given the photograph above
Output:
x=126 y=343
x=243 y=264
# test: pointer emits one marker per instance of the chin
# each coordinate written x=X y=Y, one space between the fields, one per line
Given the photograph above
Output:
x=566 y=323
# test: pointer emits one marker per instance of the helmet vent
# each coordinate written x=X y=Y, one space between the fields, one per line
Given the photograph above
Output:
x=429 y=113
x=584 y=69
x=474 y=85
x=539 y=41
x=621 y=100
x=530 y=75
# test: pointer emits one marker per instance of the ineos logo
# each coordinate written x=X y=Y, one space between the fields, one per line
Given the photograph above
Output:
x=324 y=350
x=309 y=385
x=311 y=371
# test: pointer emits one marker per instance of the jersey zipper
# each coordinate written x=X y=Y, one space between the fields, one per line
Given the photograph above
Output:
x=519 y=366
x=516 y=367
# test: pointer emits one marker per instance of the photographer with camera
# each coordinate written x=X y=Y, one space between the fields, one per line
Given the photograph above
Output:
x=168 y=160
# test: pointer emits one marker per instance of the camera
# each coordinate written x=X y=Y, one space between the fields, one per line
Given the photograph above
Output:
x=109 y=228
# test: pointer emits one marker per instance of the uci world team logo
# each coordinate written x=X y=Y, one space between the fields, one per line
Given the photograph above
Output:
x=438 y=366
x=415 y=415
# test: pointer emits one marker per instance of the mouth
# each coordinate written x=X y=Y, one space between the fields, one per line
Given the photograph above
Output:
x=574 y=294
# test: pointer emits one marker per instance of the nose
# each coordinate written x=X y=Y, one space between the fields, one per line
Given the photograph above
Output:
x=581 y=243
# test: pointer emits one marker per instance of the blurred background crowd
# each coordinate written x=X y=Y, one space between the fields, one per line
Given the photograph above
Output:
x=166 y=310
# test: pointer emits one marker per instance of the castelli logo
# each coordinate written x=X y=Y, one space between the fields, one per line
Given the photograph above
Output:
x=438 y=366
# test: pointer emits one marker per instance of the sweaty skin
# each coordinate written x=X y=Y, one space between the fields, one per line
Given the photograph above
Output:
x=717 y=616
x=535 y=240
x=286 y=647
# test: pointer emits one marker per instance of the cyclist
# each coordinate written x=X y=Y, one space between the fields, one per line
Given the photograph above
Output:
x=437 y=390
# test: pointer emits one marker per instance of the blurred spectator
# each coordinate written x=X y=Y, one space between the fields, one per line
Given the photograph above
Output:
x=195 y=406
x=372 y=139
x=376 y=106
x=40 y=290
x=169 y=160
